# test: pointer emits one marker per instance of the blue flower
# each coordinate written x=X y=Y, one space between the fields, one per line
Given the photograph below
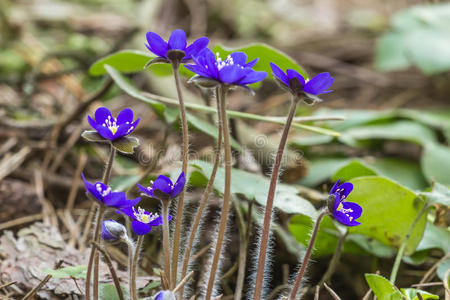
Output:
x=297 y=85
x=142 y=220
x=111 y=128
x=344 y=212
x=177 y=41
x=112 y=230
x=163 y=188
x=165 y=295
x=234 y=70
x=103 y=194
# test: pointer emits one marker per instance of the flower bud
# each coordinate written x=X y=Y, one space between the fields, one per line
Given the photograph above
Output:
x=165 y=295
x=112 y=230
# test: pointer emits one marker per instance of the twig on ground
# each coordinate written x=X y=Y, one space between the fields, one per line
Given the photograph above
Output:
x=42 y=283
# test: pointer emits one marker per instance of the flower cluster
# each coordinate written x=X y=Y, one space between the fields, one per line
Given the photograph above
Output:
x=343 y=211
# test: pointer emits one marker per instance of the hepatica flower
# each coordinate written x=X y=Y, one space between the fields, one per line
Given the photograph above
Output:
x=343 y=211
x=112 y=230
x=103 y=194
x=163 y=188
x=297 y=85
x=234 y=70
x=176 y=45
x=142 y=220
x=111 y=128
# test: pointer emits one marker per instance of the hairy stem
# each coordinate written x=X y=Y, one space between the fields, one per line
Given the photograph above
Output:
x=221 y=91
x=269 y=204
x=401 y=251
x=302 y=270
x=179 y=218
x=112 y=271
x=334 y=260
x=134 y=267
x=203 y=201
x=130 y=245
x=166 y=246
x=93 y=257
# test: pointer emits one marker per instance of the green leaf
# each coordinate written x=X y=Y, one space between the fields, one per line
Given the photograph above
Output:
x=160 y=109
x=389 y=210
x=210 y=130
x=109 y=292
x=436 y=163
x=401 y=130
x=402 y=171
x=411 y=294
x=125 y=144
x=266 y=55
x=321 y=169
x=439 y=194
x=254 y=186
x=123 y=182
x=435 y=237
x=125 y=61
x=382 y=288
x=68 y=272
x=443 y=267
x=390 y=52
x=353 y=169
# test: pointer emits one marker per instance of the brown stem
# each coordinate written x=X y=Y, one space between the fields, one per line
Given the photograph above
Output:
x=93 y=257
x=334 y=260
x=300 y=274
x=166 y=238
x=112 y=271
x=179 y=218
x=269 y=204
x=203 y=201
x=134 y=267
x=226 y=195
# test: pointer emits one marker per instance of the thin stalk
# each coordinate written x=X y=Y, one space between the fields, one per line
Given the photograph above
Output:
x=398 y=258
x=269 y=204
x=134 y=267
x=334 y=260
x=179 y=218
x=300 y=274
x=221 y=91
x=93 y=257
x=166 y=246
x=112 y=271
x=203 y=201
x=130 y=245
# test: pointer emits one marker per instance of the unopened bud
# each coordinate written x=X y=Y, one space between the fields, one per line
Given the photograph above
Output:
x=165 y=295
x=112 y=230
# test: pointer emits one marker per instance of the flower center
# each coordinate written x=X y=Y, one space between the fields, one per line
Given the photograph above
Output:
x=111 y=124
x=102 y=191
x=223 y=63
x=345 y=211
x=143 y=216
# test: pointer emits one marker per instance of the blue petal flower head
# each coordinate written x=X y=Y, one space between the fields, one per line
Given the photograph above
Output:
x=234 y=70
x=344 y=212
x=112 y=230
x=177 y=42
x=111 y=128
x=165 y=295
x=142 y=220
x=163 y=188
x=103 y=194
x=296 y=84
